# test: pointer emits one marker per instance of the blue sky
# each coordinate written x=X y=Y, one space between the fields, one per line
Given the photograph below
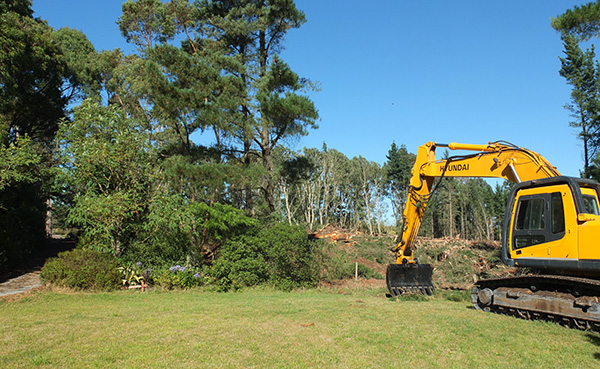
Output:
x=411 y=71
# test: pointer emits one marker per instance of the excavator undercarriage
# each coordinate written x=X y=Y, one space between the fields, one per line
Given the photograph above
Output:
x=569 y=301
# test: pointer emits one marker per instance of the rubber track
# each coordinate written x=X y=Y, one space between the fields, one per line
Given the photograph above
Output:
x=550 y=283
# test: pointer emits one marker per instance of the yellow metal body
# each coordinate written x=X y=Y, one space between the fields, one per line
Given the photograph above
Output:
x=566 y=246
x=576 y=239
x=494 y=160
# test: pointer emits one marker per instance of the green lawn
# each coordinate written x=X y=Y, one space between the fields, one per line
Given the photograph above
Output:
x=266 y=328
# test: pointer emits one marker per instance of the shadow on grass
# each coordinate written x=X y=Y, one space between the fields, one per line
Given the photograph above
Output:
x=595 y=339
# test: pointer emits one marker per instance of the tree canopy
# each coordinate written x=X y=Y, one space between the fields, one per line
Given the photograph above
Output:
x=581 y=22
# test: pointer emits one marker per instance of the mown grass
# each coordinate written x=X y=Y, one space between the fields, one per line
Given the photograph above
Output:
x=265 y=328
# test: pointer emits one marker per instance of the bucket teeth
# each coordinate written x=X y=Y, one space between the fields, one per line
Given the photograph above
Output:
x=409 y=278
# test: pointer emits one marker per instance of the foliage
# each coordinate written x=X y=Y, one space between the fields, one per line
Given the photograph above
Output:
x=272 y=104
x=178 y=276
x=34 y=96
x=333 y=264
x=107 y=162
x=19 y=163
x=22 y=208
x=467 y=208
x=398 y=173
x=132 y=275
x=458 y=263
x=198 y=227
x=30 y=78
x=83 y=269
x=241 y=262
x=582 y=73
x=328 y=188
x=281 y=255
x=376 y=249
x=133 y=182
x=290 y=255
x=368 y=273
x=582 y=22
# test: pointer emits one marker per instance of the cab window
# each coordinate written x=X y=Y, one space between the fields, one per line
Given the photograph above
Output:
x=539 y=219
x=530 y=223
x=531 y=214
x=591 y=205
x=558 y=213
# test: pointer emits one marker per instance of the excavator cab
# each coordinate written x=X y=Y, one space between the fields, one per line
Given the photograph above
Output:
x=553 y=224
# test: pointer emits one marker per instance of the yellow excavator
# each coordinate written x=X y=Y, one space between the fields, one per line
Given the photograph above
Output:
x=551 y=225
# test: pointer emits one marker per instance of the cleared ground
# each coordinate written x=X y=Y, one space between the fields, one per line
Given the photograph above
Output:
x=264 y=328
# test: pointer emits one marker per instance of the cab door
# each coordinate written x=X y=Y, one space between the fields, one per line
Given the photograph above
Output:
x=589 y=227
x=529 y=231
x=539 y=231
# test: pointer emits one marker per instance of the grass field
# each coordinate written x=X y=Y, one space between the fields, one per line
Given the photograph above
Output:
x=266 y=328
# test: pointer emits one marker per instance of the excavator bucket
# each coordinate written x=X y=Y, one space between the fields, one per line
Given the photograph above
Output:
x=409 y=278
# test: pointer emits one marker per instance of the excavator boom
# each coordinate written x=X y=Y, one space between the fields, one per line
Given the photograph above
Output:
x=494 y=160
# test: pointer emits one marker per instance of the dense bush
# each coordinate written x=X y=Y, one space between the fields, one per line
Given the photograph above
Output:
x=241 y=263
x=83 y=269
x=291 y=256
x=281 y=255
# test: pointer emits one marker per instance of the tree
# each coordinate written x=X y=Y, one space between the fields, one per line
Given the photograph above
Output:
x=272 y=107
x=582 y=22
x=107 y=161
x=31 y=77
x=581 y=72
x=37 y=82
x=398 y=172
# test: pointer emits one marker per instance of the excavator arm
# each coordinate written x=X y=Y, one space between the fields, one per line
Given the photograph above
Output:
x=494 y=160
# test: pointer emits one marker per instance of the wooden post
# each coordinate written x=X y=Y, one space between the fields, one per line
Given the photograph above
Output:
x=356 y=271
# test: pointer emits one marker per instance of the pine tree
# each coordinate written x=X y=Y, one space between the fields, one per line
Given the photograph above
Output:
x=581 y=72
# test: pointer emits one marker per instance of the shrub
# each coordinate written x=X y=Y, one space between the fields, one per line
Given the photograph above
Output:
x=83 y=269
x=291 y=256
x=241 y=263
x=281 y=255
x=179 y=277
x=375 y=249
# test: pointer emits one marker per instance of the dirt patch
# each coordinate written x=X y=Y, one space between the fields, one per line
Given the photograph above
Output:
x=20 y=284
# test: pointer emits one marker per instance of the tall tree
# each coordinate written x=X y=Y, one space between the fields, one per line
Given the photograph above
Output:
x=272 y=107
x=105 y=159
x=398 y=172
x=31 y=78
x=581 y=72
